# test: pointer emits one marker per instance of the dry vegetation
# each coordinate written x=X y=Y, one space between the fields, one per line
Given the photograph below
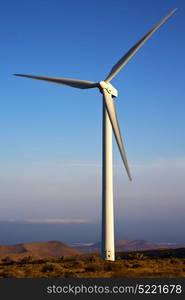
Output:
x=142 y=264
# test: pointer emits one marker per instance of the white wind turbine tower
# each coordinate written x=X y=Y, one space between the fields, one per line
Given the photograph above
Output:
x=110 y=122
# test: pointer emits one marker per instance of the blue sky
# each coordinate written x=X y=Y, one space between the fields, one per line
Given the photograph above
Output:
x=50 y=135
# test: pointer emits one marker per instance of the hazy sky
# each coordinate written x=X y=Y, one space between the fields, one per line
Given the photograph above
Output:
x=50 y=135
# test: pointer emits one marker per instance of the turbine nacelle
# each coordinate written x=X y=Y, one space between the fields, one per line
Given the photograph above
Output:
x=108 y=87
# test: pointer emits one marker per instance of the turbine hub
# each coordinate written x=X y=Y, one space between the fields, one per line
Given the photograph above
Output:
x=108 y=87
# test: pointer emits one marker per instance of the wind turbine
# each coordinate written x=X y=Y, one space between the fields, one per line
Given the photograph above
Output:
x=110 y=122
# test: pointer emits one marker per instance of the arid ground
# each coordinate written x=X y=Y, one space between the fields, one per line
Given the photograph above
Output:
x=160 y=263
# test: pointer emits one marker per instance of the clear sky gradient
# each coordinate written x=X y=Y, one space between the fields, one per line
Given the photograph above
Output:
x=50 y=135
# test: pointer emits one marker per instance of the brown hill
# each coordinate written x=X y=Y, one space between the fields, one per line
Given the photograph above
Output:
x=37 y=250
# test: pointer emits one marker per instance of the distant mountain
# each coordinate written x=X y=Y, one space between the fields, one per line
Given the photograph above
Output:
x=134 y=245
x=38 y=250
x=125 y=245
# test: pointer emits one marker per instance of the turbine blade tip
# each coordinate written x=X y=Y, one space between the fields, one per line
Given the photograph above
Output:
x=174 y=10
x=17 y=74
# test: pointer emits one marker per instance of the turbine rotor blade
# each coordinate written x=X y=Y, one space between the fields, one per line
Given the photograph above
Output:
x=124 y=60
x=76 y=83
x=111 y=109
